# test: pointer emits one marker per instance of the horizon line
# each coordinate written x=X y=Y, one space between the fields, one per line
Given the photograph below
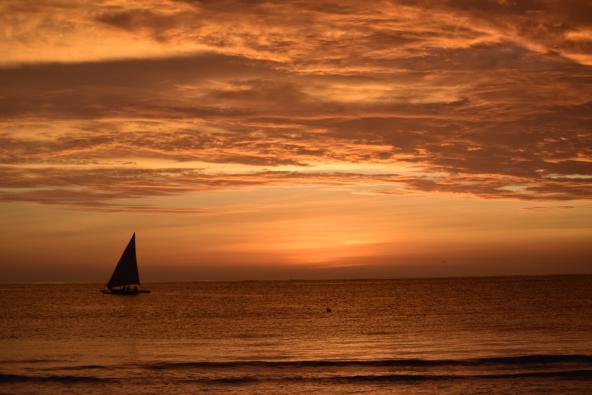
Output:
x=309 y=280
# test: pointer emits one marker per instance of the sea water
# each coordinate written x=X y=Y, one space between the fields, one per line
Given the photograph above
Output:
x=500 y=335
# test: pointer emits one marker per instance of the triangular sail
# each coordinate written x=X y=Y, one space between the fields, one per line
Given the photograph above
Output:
x=126 y=271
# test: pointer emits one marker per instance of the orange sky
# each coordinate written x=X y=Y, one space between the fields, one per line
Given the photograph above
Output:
x=301 y=139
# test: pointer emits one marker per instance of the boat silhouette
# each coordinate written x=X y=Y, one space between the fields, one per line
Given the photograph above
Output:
x=125 y=279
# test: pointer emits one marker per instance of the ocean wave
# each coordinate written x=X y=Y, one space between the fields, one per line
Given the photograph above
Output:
x=579 y=374
x=393 y=378
x=80 y=367
x=29 y=360
x=535 y=359
x=574 y=374
x=18 y=378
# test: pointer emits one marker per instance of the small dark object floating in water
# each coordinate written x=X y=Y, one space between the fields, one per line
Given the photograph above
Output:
x=126 y=273
x=328 y=310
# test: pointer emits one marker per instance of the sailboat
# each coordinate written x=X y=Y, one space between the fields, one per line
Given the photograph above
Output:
x=126 y=273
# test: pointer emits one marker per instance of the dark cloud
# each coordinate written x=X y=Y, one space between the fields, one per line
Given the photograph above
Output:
x=123 y=88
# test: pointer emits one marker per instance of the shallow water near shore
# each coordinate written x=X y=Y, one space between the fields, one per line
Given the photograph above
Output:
x=506 y=335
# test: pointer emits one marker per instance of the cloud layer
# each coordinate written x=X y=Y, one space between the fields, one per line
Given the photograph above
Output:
x=111 y=101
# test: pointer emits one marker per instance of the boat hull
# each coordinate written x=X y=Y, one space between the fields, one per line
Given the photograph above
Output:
x=125 y=293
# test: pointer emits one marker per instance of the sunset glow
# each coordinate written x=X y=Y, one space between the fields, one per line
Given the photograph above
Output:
x=297 y=139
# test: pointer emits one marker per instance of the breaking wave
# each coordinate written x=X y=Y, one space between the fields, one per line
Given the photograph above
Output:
x=244 y=372
x=17 y=378
x=510 y=360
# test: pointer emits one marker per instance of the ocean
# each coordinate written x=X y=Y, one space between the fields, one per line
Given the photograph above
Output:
x=520 y=335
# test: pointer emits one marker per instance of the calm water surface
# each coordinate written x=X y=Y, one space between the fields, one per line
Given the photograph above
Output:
x=501 y=335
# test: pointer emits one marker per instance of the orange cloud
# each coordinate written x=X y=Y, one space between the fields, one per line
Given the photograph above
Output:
x=489 y=99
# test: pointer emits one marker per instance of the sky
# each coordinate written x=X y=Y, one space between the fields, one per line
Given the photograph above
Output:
x=295 y=139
